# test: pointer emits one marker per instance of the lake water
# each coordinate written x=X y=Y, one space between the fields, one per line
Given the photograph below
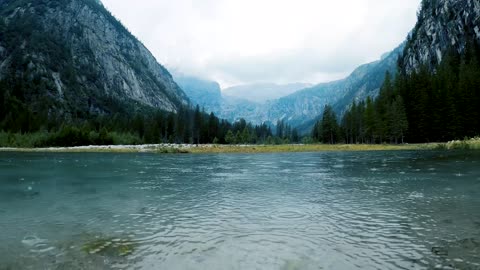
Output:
x=382 y=210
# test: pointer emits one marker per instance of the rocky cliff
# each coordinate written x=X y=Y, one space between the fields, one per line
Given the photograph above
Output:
x=73 y=57
x=441 y=25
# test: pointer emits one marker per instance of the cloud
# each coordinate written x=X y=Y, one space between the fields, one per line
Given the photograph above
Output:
x=246 y=41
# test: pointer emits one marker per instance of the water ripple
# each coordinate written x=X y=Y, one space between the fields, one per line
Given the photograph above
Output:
x=302 y=211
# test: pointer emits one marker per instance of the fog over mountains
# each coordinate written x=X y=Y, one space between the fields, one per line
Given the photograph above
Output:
x=72 y=59
x=300 y=107
x=262 y=92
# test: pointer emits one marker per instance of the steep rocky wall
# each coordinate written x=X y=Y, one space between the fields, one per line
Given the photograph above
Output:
x=442 y=25
x=105 y=59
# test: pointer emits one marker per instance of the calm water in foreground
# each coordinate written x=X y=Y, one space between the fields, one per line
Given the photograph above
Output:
x=383 y=210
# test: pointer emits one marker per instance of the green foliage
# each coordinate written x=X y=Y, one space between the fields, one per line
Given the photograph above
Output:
x=423 y=106
x=33 y=113
x=327 y=130
x=230 y=138
x=285 y=133
x=466 y=144
x=307 y=140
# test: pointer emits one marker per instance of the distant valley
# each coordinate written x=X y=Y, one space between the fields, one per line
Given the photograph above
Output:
x=71 y=70
x=297 y=104
x=263 y=92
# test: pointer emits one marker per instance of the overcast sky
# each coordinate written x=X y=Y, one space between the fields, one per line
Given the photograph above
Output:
x=247 y=41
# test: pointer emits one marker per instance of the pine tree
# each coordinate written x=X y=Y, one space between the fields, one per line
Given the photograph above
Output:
x=280 y=129
x=295 y=136
x=397 y=120
x=329 y=126
x=245 y=136
x=212 y=127
x=468 y=82
x=197 y=125
x=371 y=121
x=230 y=138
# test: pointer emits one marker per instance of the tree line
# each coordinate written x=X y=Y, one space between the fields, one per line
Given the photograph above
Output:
x=30 y=105
x=418 y=106
x=145 y=125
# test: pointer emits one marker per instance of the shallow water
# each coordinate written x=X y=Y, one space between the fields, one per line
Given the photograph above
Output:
x=382 y=210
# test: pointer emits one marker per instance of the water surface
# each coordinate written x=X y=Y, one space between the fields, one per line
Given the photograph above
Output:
x=365 y=210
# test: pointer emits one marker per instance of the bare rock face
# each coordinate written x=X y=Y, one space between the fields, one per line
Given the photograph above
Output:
x=302 y=108
x=442 y=25
x=83 y=55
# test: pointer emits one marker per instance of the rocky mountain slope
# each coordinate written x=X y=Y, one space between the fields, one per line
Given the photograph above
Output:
x=441 y=25
x=206 y=94
x=303 y=107
x=262 y=92
x=300 y=108
x=72 y=57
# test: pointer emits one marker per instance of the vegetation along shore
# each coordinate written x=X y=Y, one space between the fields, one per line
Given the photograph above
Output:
x=467 y=144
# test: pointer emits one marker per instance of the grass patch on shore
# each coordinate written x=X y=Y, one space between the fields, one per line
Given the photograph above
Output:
x=294 y=148
x=468 y=144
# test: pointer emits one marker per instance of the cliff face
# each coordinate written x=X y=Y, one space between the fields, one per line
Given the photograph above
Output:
x=442 y=25
x=77 y=56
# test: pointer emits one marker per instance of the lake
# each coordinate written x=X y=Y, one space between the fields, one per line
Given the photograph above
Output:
x=332 y=210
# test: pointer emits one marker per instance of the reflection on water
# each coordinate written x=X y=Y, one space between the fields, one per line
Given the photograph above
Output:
x=387 y=210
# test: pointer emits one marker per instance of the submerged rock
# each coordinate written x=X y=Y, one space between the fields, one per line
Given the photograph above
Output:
x=440 y=251
x=109 y=247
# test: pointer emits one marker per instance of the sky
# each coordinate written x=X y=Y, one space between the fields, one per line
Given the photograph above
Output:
x=238 y=42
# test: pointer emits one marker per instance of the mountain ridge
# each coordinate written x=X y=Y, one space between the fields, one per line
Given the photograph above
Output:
x=303 y=107
x=80 y=59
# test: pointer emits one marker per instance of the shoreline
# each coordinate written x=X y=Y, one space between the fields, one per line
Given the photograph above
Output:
x=218 y=149
x=470 y=144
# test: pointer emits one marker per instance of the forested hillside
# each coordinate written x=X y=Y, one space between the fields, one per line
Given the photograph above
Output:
x=434 y=96
x=64 y=63
x=71 y=74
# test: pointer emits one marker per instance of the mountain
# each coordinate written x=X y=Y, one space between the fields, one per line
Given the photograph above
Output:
x=442 y=25
x=302 y=108
x=206 y=94
x=263 y=92
x=440 y=72
x=73 y=59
